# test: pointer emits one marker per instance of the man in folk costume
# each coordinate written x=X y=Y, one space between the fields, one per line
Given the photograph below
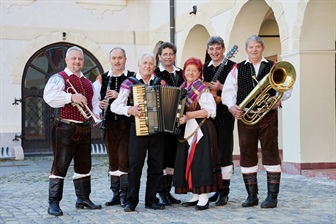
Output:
x=240 y=82
x=221 y=66
x=174 y=77
x=72 y=131
x=140 y=146
x=115 y=127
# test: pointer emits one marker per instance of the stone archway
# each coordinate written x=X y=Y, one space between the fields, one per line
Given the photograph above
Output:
x=49 y=38
x=201 y=23
x=289 y=38
x=197 y=36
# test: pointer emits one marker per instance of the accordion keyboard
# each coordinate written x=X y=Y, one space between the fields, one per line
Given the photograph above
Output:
x=161 y=106
x=141 y=122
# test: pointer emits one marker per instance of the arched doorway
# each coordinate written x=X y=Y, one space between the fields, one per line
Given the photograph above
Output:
x=37 y=116
x=197 y=36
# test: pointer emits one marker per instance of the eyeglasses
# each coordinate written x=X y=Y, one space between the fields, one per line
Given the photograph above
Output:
x=168 y=55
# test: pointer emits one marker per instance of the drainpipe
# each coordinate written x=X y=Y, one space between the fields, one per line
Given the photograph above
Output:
x=172 y=20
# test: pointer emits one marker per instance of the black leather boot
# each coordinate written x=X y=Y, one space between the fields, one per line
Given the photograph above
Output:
x=214 y=197
x=115 y=187
x=223 y=194
x=55 y=196
x=123 y=189
x=83 y=190
x=273 y=184
x=171 y=198
x=163 y=192
x=251 y=186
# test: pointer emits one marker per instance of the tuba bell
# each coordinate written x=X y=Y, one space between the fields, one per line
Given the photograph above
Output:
x=280 y=78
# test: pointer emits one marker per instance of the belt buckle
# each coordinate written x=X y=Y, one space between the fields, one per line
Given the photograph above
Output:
x=64 y=121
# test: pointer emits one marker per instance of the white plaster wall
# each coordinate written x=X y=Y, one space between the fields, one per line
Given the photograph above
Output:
x=291 y=117
x=109 y=27
x=309 y=115
x=318 y=107
x=10 y=118
x=70 y=15
x=160 y=14
x=220 y=24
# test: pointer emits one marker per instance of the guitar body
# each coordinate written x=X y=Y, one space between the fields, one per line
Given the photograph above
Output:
x=217 y=99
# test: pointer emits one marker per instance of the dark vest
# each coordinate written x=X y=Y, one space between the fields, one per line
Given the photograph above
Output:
x=114 y=85
x=245 y=82
x=82 y=86
x=210 y=71
x=167 y=77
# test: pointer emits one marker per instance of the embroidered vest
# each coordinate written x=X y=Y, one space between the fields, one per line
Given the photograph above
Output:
x=245 y=82
x=82 y=86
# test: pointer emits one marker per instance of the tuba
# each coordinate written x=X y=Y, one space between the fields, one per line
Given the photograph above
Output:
x=86 y=112
x=280 y=78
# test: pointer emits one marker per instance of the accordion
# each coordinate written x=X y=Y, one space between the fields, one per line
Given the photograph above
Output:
x=162 y=107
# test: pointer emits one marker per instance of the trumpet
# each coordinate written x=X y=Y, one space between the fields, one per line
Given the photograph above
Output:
x=280 y=78
x=86 y=112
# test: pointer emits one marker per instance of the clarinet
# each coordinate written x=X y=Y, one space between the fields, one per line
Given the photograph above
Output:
x=102 y=126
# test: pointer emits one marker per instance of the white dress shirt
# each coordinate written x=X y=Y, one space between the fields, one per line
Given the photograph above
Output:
x=208 y=103
x=97 y=85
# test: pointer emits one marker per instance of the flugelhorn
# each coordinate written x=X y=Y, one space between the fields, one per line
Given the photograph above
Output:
x=86 y=112
x=280 y=78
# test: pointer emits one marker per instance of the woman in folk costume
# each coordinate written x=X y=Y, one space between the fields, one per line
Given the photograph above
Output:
x=197 y=165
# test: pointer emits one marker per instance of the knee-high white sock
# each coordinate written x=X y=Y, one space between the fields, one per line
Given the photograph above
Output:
x=274 y=169
x=226 y=172
x=202 y=199
x=194 y=198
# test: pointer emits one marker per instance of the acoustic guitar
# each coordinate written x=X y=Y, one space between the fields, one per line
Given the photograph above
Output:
x=229 y=55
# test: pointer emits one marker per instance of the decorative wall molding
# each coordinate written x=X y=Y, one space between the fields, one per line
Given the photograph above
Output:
x=9 y=3
x=102 y=6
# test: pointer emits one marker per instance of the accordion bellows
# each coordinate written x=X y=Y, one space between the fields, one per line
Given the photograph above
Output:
x=162 y=107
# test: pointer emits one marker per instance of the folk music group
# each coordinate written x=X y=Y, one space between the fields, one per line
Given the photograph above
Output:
x=197 y=160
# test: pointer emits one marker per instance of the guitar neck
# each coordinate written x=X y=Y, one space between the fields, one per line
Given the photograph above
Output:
x=214 y=79
x=226 y=58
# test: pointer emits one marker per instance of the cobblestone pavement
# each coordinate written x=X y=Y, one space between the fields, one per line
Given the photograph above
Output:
x=24 y=199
